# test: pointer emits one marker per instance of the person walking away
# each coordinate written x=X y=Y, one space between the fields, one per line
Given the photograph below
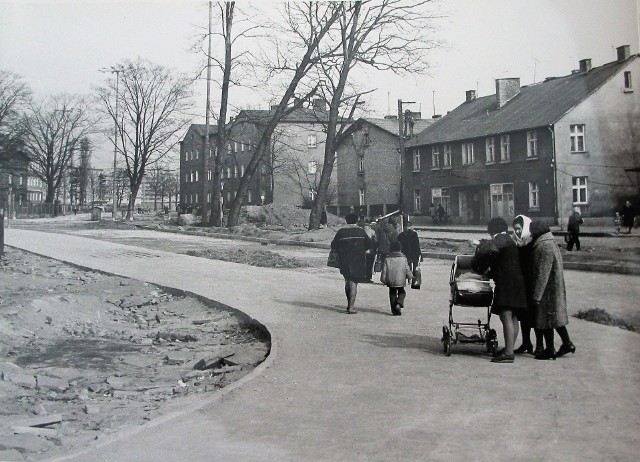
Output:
x=386 y=233
x=410 y=243
x=441 y=213
x=432 y=213
x=351 y=243
x=370 y=253
x=509 y=297
x=575 y=220
x=548 y=293
x=627 y=216
x=522 y=236
x=323 y=218
x=395 y=273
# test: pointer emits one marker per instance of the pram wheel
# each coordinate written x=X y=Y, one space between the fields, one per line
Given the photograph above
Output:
x=446 y=340
x=492 y=342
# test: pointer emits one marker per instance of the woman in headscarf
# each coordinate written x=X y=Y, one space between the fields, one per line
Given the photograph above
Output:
x=549 y=297
x=522 y=236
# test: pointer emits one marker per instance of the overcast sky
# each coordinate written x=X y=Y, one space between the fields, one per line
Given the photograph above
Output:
x=59 y=46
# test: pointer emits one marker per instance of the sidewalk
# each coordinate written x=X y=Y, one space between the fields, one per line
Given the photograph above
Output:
x=371 y=386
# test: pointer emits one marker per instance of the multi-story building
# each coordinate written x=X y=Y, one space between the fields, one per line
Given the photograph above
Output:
x=288 y=173
x=540 y=150
x=368 y=164
x=17 y=186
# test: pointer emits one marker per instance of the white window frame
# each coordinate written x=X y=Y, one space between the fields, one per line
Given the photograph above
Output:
x=467 y=153
x=312 y=193
x=241 y=146
x=578 y=134
x=235 y=171
x=505 y=148
x=416 y=160
x=312 y=167
x=534 y=195
x=490 y=150
x=209 y=175
x=228 y=172
x=580 y=184
x=360 y=164
x=362 y=196
x=435 y=157
x=446 y=153
x=312 y=141
x=532 y=144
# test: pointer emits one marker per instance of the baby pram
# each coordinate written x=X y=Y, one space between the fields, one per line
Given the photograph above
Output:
x=469 y=289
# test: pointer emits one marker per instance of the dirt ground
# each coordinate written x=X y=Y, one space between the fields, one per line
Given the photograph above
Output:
x=83 y=354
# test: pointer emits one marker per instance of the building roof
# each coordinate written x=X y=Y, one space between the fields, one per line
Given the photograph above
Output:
x=537 y=105
x=391 y=125
x=200 y=129
x=300 y=115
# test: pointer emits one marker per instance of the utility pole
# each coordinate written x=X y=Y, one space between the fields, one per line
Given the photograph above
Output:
x=401 y=149
x=114 y=215
x=207 y=143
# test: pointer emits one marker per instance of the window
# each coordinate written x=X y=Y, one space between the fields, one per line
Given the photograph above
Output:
x=195 y=176
x=417 y=204
x=197 y=154
x=579 y=187
x=196 y=198
x=235 y=171
x=441 y=196
x=532 y=144
x=627 y=81
x=467 y=153
x=367 y=139
x=435 y=157
x=229 y=147
x=361 y=197
x=501 y=200
x=312 y=141
x=533 y=195
x=208 y=198
x=505 y=148
x=490 y=149
x=242 y=170
x=312 y=193
x=577 y=138
x=447 y=155
x=228 y=172
x=360 y=164
x=416 y=160
x=235 y=146
x=209 y=176
x=242 y=149
x=313 y=167
x=249 y=196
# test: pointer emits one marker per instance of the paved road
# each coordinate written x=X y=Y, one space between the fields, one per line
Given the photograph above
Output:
x=372 y=386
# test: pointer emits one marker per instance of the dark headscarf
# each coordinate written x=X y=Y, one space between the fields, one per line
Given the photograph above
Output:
x=538 y=228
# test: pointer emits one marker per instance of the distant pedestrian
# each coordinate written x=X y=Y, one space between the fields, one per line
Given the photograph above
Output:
x=573 y=228
x=441 y=213
x=432 y=213
x=627 y=216
x=410 y=243
x=386 y=233
x=351 y=243
x=395 y=274
x=549 y=297
x=323 y=218
x=617 y=221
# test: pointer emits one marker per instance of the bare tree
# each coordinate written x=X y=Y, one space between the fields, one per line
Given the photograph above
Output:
x=153 y=104
x=14 y=97
x=307 y=25
x=389 y=35
x=52 y=131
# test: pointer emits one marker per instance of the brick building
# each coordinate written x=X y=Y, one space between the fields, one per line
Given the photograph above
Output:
x=541 y=149
x=368 y=164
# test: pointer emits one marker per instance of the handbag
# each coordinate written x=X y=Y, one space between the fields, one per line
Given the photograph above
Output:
x=416 y=282
x=377 y=266
x=334 y=259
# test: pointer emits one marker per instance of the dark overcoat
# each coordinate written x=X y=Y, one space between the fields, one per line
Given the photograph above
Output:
x=410 y=245
x=548 y=289
x=351 y=243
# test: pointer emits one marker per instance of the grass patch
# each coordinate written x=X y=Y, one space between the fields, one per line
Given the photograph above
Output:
x=600 y=316
x=253 y=257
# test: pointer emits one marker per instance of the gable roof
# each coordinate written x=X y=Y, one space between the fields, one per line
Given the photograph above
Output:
x=391 y=125
x=536 y=105
x=300 y=115
x=200 y=129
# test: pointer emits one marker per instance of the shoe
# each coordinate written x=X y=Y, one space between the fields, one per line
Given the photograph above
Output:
x=503 y=358
x=546 y=354
x=499 y=352
x=524 y=348
x=565 y=348
x=351 y=311
x=538 y=350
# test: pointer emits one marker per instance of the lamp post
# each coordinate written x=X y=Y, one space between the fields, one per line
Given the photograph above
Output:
x=401 y=140
x=114 y=70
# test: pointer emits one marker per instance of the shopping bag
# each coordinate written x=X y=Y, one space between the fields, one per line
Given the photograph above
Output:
x=416 y=282
x=334 y=259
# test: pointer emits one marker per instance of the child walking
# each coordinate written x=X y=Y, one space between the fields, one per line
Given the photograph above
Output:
x=395 y=273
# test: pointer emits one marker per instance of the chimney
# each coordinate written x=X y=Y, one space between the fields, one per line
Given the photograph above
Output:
x=471 y=95
x=623 y=52
x=507 y=89
x=436 y=116
x=319 y=105
x=391 y=117
x=585 y=65
x=274 y=107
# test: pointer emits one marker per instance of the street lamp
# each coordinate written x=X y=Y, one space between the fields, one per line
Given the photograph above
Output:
x=114 y=70
x=401 y=140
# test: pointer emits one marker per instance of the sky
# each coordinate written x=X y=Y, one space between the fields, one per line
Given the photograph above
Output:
x=60 y=46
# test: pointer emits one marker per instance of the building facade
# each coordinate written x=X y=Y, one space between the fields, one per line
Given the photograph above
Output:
x=539 y=150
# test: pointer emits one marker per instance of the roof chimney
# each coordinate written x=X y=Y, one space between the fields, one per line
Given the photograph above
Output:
x=585 y=65
x=507 y=89
x=471 y=95
x=623 y=52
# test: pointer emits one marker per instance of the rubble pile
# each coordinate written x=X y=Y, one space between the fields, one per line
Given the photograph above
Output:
x=84 y=354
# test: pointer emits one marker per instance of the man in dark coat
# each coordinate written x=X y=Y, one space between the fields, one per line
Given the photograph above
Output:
x=410 y=246
x=509 y=298
x=573 y=228
x=627 y=216
x=351 y=243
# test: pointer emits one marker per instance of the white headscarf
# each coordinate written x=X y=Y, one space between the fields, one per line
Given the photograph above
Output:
x=525 y=238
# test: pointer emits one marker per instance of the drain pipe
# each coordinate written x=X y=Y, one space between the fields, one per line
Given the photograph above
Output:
x=554 y=164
